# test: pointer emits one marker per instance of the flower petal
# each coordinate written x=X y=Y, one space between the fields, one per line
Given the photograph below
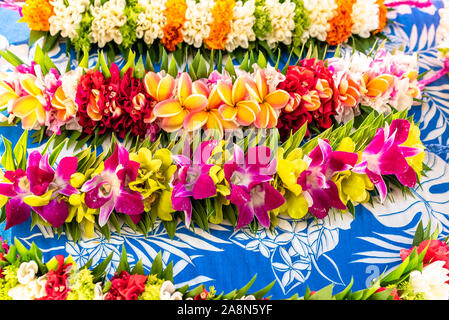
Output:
x=174 y=123
x=195 y=102
x=184 y=86
x=17 y=212
x=55 y=213
x=204 y=187
x=167 y=108
x=130 y=203
x=195 y=120
x=227 y=112
x=24 y=106
x=277 y=99
x=165 y=88
x=28 y=83
x=224 y=90
x=247 y=112
x=239 y=90
x=151 y=82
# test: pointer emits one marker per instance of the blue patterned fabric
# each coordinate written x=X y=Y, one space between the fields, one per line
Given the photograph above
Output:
x=313 y=253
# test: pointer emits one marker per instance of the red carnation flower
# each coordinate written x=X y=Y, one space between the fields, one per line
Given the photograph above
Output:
x=56 y=286
x=314 y=97
x=202 y=295
x=437 y=250
x=126 y=286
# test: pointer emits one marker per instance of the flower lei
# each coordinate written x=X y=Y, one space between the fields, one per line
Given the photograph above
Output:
x=25 y=276
x=269 y=22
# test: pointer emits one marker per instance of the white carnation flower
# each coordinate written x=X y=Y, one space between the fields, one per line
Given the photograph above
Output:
x=199 y=17
x=34 y=289
x=66 y=19
x=320 y=13
x=431 y=281
x=27 y=272
x=107 y=20
x=365 y=17
x=151 y=21
x=282 y=21
x=241 y=26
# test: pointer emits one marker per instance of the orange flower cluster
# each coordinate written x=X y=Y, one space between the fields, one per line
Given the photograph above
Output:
x=175 y=12
x=220 y=28
x=36 y=13
x=382 y=16
x=341 y=24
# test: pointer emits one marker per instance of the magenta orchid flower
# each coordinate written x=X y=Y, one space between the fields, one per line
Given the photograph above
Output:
x=38 y=180
x=385 y=156
x=316 y=183
x=251 y=191
x=192 y=179
x=109 y=189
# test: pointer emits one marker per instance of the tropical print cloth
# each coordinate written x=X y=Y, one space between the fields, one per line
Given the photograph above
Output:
x=301 y=253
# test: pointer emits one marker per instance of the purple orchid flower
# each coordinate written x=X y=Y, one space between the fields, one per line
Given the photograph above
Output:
x=316 y=181
x=251 y=191
x=39 y=179
x=192 y=179
x=385 y=156
x=109 y=189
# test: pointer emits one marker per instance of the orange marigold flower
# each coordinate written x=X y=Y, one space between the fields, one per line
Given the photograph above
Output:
x=382 y=16
x=175 y=12
x=341 y=23
x=36 y=13
x=220 y=28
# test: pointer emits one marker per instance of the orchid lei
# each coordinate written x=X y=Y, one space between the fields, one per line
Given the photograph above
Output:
x=248 y=182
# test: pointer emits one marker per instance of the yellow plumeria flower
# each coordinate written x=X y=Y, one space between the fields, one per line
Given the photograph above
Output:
x=83 y=215
x=288 y=170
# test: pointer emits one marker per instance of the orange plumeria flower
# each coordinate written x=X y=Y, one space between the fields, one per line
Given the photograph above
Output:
x=93 y=110
x=270 y=103
x=160 y=89
x=311 y=100
x=66 y=107
x=174 y=111
x=210 y=117
x=349 y=92
x=30 y=108
x=377 y=86
x=236 y=107
x=412 y=75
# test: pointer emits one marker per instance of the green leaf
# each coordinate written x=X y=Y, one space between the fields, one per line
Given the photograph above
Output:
x=123 y=264
x=229 y=67
x=241 y=292
x=245 y=63
x=50 y=42
x=11 y=58
x=263 y=292
x=173 y=68
x=261 y=60
x=201 y=71
x=167 y=274
x=164 y=61
x=34 y=36
x=323 y=294
x=138 y=268
x=7 y=159
x=20 y=151
x=23 y=252
x=11 y=257
x=341 y=295
x=148 y=63
x=139 y=70
x=104 y=65
x=156 y=266
x=56 y=151
x=170 y=226
x=99 y=270
x=130 y=63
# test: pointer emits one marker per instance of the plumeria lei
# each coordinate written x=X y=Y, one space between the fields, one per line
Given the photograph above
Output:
x=25 y=276
x=212 y=24
x=141 y=102
x=249 y=181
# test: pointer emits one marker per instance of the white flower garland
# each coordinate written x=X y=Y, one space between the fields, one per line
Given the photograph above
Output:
x=199 y=17
x=151 y=21
x=443 y=31
x=365 y=17
x=241 y=26
x=108 y=18
x=66 y=19
x=320 y=13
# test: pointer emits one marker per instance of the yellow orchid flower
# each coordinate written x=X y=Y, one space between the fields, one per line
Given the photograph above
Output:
x=288 y=170
x=83 y=215
x=414 y=140
x=352 y=186
x=153 y=180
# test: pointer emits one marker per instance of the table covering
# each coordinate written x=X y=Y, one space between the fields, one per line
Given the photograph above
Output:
x=301 y=253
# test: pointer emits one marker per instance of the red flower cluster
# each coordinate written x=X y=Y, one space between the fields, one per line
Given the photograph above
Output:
x=202 y=295
x=56 y=286
x=314 y=97
x=126 y=286
x=437 y=250
x=114 y=103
